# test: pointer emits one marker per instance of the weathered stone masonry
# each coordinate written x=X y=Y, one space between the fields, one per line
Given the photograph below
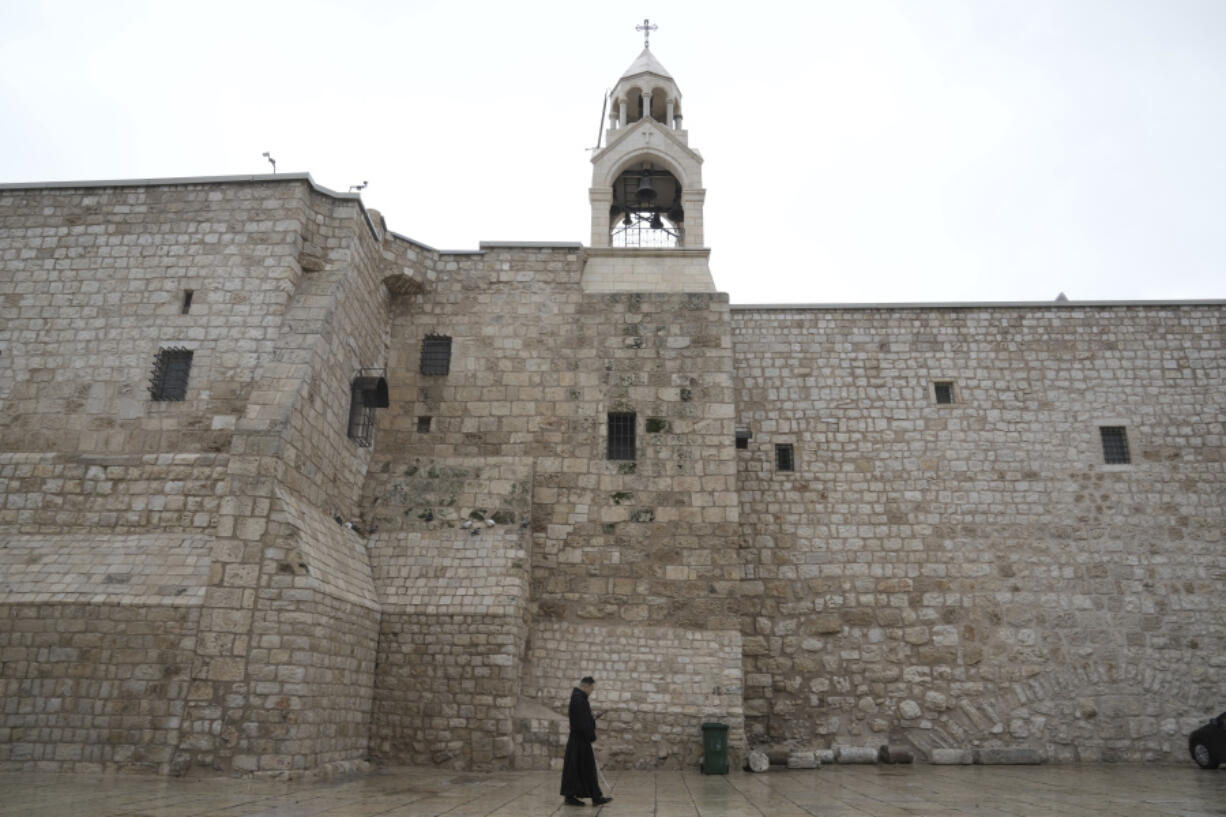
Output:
x=309 y=643
x=245 y=581
x=973 y=571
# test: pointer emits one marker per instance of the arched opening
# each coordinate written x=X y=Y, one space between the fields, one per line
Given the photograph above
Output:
x=634 y=104
x=646 y=209
x=659 y=105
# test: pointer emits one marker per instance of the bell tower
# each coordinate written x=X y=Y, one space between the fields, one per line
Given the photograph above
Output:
x=647 y=193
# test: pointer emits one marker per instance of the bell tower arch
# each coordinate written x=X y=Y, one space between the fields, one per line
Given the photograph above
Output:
x=646 y=194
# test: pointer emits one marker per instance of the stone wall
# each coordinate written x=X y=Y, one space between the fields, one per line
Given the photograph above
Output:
x=47 y=493
x=289 y=287
x=97 y=639
x=941 y=574
x=973 y=573
x=655 y=687
x=284 y=677
x=94 y=283
x=450 y=559
x=536 y=367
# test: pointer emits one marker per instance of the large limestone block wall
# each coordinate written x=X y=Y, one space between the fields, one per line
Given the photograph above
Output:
x=285 y=676
x=94 y=281
x=536 y=366
x=311 y=660
x=290 y=285
x=655 y=687
x=97 y=640
x=450 y=560
x=47 y=493
x=974 y=573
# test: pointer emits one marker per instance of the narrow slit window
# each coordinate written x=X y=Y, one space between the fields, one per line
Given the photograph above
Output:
x=944 y=391
x=785 y=459
x=171 y=369
x=1115 y=445
x=436 y=355
x=187 y=300
x=423 y=425
x=621 y=435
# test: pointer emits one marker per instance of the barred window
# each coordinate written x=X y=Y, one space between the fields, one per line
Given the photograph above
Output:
x=361 y=417
x=1115 y=445
x=621 y=435
x=944 y=391
x=171 y=368
x=367 y=392
x=784 y=459
x=423 y=425
x=436 y=354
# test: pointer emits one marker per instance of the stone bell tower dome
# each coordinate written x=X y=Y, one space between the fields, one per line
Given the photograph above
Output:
x=647 y=193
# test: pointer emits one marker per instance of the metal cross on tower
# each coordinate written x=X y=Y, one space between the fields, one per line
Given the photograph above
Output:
x=646 y=28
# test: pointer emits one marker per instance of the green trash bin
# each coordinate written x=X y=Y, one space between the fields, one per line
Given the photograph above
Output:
x=715 y=748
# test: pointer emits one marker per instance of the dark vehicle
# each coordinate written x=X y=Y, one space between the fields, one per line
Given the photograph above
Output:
x=1208 y=743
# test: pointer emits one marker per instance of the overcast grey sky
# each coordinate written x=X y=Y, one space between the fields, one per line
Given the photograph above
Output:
x=860 y=150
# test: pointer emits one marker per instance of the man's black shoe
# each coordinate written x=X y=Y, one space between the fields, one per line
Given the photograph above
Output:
x=600 y=801
x=573 y=801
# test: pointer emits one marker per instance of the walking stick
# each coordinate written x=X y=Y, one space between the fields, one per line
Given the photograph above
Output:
x=604 y=784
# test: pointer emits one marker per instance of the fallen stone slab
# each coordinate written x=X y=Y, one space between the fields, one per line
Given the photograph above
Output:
x=825 y=756
x=803 y=760
x=1008 y=755
x=951 y=757
x=855 y=754
x=758 y=761
x=894 y=754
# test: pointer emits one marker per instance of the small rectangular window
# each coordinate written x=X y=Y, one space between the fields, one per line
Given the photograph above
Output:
x=944 y=391
x=743 y=435
x=436 y=355
x=187 y=301
x=621 y=435
x=423 y=425
x=1115 y=445
x=171 y=369
x=784 y=459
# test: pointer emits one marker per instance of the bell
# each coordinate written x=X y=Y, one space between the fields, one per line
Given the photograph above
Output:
x=645 y=192
x=627 y=221
x=656 y=224
x=676 y=213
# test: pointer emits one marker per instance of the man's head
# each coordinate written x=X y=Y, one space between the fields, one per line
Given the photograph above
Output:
x=587 y=684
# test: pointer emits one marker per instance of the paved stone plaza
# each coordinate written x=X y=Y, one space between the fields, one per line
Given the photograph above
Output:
x=861 y=791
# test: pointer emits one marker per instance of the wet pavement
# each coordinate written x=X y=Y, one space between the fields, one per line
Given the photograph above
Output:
x=835 y=791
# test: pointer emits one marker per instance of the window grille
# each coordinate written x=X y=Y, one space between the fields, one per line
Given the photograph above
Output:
x=944 y=390
x=1115 y=445
x=621 y=435
x=423 y=425
x=171 y=368
x=367 y=392
x=784 y=459
x=361 y=417
x=436 y=354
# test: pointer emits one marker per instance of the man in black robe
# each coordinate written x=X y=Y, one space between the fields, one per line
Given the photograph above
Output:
x=579 y=767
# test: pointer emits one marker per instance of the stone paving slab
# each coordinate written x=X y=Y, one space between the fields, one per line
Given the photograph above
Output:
x=858 y=791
